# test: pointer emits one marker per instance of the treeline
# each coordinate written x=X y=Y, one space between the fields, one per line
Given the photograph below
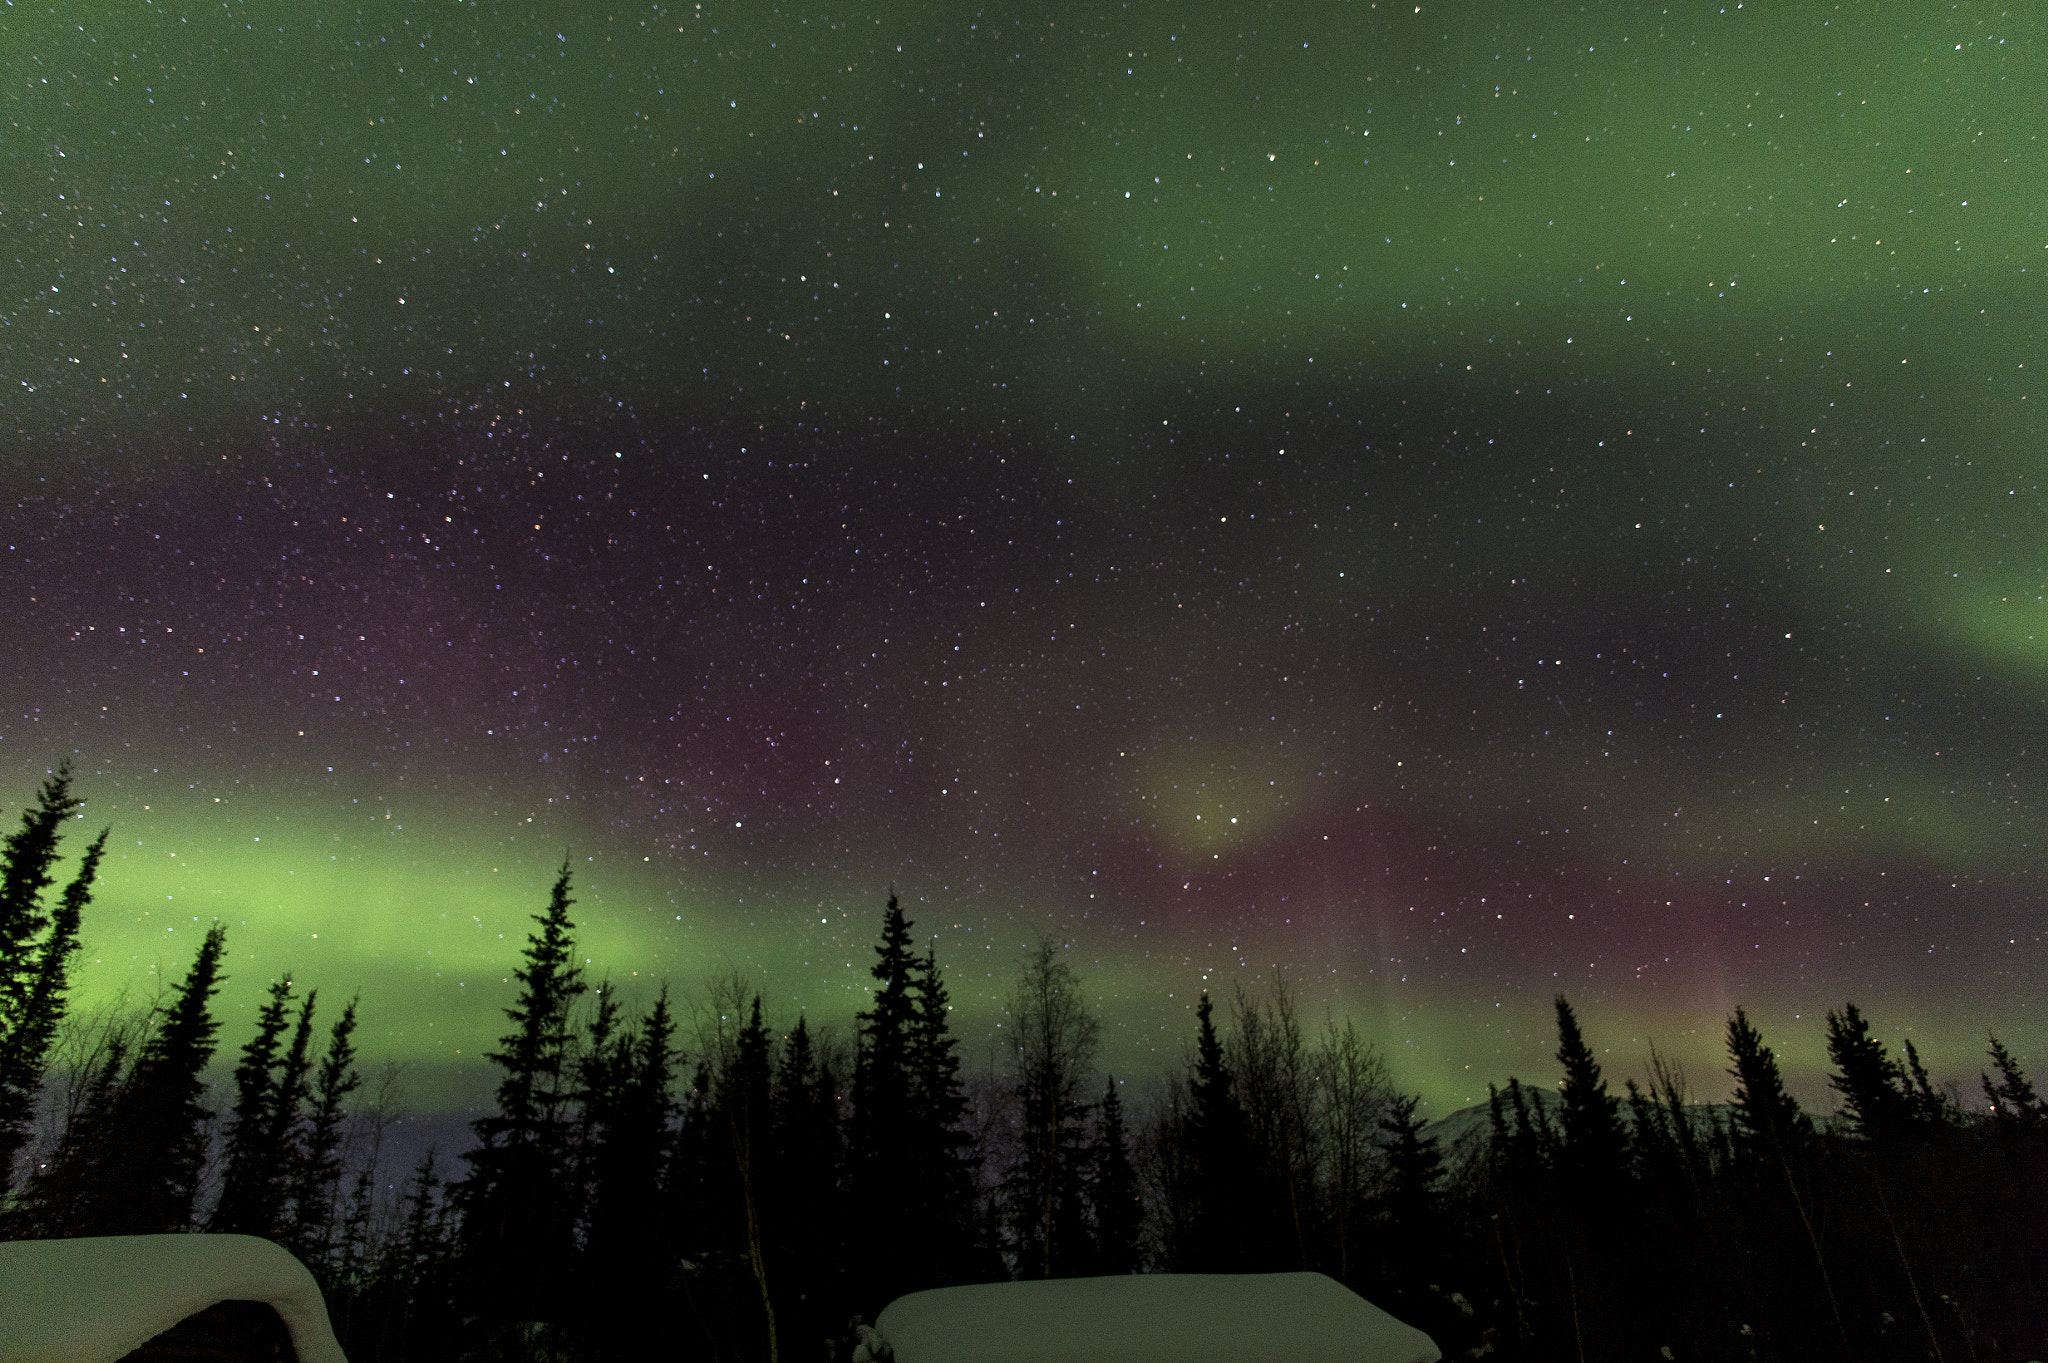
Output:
x=703 y=1179
x=1640 y=1225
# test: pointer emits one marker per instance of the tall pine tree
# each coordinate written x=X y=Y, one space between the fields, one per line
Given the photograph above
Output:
x=884 y=1176
x=316 y=1178
x=252 y=1162
x=2012 y=1096
x=1594 y=1152
x=1415 y=1168
x=1221 y=1229
x=882 y=1089
x=143 y=1145
x=1931 y=1107
x=518 y=1210
x=629 y=1258
x=1772 y=1140
x=1768 y=1123
x=910 y=1172
x=805 y=1200
x=1116 y=1209
x=34 y=962
x=1874 y=1087
x=946 y=1201
x=1593 y=1170
x=26 y=862
x=744 y=1099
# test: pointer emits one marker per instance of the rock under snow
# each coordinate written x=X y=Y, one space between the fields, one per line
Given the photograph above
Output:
x=1151 y=1318
x=94 y=1299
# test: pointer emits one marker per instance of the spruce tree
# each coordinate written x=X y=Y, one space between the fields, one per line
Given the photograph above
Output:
x=1116 y=1209
x=884 y=1176
x=1592 y=1166
x=24 y=1051
x=744 y=1098
x=806 y=1132
x=1594 y=1145
x=1497 y=1122
x=1527 y=1149
x=148 y=1156
x=957 y=1248
x=1652 y=1138
x=1931 y=1107
x=628 y=1262
x=2012 y=1097
x=938 y=1103
x=601 y=1075
x=34 y=974
x=1415 y=1170
x=26 y=860
x=1772 y=1138
x=252 y=1160
x=1874 y=1087
x=882 y=1088
x=418 y=1244
x=316 y=1177
x=518 y=1215
x=805 y=1199
x=1411 y=1202
x=1768 y=1122
x=1222 y=1228
x=416 y=1274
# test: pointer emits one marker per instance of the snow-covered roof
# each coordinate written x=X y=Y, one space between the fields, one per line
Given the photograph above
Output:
x=92 y=1300
x=1151 y=1318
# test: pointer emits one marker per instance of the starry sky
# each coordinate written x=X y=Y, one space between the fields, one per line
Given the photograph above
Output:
x=1442 y=504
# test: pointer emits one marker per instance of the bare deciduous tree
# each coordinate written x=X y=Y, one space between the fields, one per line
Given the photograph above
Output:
x=1056 y=1041
x=1352 y=1096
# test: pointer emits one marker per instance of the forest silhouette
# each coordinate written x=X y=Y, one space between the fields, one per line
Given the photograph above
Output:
x=751 y=1191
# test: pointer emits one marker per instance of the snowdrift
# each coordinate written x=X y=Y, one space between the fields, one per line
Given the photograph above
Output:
x=93 y=1300
x=1151 y=1318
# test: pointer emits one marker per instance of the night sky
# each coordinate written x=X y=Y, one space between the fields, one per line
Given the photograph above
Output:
x=1446 y=504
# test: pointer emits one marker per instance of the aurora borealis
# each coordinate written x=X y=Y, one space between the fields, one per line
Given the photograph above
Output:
x=1447 y=503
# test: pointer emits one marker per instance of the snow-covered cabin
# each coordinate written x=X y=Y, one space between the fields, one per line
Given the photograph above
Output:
x=1149 y=1318
x=218 y=1298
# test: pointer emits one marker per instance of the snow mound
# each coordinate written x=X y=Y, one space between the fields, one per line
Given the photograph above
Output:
x=1151 y=1318
x=92 y=1300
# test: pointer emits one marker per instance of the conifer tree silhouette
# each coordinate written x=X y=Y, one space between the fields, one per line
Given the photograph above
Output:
x=1774 y=1139
x=518 y=1216
x=1931 y=1107
x=883 y=1175
x=938 y=1104
x=805 y=1203
x=744 y=1096
x=2012 y=1097
x=35 y=951
x=631 y=1225
x=1874 y=1087
x=1415 y=1169
x=1589 y=1116
x=1116 y=1210
x=147 y=1146
x=1220 y=1151
x=1768 y=1123
x=315 y=1179
x=252 y=1164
